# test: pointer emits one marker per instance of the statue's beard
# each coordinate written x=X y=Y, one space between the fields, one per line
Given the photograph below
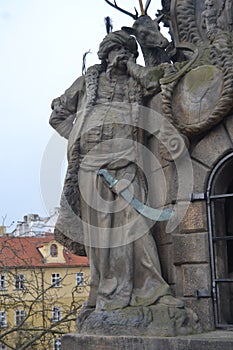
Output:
x=119 y=64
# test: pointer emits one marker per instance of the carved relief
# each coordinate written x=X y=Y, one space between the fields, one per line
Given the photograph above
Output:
x=198 y=93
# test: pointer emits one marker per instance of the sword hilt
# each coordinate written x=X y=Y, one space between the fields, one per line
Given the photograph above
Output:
x=109 y=178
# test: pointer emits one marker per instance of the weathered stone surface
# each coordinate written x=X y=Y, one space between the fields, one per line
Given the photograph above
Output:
x=153 y=145
x=203 y=307
x=212 y=147
x=195 y=218
x=171 y=182
x=178 y=287
x=200 y=176
x=156 y=104
x=209 y=341
x=196 y=277
x=166 y=260
x=167 y=317
x=176 y=180
x=191 y=248
x=157 y=188
x=180 y=211
x=160 y=235
x=200 y=90
x=163 y=185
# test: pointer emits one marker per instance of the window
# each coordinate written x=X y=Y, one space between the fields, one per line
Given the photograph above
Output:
x=2 y=282
x=56 y=313
x=56 y=280
x=3 y=322
x=20 y=281
x=57 y=344
x=19 y=316
x=220 y=220
x=53 y=250
x=80 y=279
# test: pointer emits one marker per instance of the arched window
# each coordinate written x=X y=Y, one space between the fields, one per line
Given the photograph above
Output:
x=53 y=250
x=220 y=219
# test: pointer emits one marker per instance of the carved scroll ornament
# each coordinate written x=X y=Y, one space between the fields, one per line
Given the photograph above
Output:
x=197 y=94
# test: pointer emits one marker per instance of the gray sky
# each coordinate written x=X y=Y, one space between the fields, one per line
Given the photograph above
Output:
x=42 y=43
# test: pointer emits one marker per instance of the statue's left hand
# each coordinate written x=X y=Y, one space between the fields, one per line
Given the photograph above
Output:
x=58 y=107
x=131 y=60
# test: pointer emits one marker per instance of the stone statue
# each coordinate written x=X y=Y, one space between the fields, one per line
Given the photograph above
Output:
x=100 y=116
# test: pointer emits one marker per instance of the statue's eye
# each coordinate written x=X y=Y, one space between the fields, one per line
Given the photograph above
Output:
x=145 y=33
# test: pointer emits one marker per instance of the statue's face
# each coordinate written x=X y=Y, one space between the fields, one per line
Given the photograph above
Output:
x=119 y=53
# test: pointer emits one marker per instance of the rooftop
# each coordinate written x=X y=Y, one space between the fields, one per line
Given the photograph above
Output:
x=26 y=252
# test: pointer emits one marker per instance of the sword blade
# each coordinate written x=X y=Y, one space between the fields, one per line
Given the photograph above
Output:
x=148 y=212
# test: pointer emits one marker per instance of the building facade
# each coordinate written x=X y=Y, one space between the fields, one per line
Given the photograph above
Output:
x=42 y=288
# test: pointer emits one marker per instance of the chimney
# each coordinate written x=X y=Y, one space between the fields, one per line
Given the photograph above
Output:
x=2 y=230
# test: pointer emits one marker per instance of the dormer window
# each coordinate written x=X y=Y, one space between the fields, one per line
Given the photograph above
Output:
x=53 y=250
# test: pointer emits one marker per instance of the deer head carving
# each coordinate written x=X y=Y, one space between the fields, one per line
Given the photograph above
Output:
x=147 y=32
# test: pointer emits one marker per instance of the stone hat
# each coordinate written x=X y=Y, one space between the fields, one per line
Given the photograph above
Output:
x=118 y=38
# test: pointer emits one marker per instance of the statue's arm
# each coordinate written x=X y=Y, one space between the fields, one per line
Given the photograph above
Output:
x=148 y=77
x=65 y=108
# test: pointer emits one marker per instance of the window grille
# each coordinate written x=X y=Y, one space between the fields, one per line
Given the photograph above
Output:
x=80 y=279
x=56 y=280
x=57 y=344
x=3 y=322
x=53 y=250
x=20 y=281
x=2 y=282
x=56 y=313
x=19 y=316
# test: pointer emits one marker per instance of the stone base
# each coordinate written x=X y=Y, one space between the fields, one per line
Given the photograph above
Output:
x=154 y=320
x=218 y=340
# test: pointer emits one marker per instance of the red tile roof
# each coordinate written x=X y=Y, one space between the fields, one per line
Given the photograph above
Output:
x=23 y=252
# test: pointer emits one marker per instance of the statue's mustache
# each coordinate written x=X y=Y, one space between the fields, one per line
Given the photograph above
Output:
x=122 y=57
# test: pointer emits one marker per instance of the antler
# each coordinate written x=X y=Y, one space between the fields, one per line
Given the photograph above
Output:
x=122 y=10
x=147 y=5
x=141 y=7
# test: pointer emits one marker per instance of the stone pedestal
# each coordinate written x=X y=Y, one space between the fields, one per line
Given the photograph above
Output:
x=218 y=340
x=159 y=320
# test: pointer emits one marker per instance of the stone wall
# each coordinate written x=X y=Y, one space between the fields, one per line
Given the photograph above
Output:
x=184 y=253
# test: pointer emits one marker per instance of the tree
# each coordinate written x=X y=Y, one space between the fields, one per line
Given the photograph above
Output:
x=40 y=294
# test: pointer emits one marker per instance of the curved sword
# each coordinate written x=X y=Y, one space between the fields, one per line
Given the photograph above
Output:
x=151 y=213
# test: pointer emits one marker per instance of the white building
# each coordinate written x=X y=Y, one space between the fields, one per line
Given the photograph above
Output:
x=33 y=225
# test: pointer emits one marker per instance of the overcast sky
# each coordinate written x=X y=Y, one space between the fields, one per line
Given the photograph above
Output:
x=42 y=43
